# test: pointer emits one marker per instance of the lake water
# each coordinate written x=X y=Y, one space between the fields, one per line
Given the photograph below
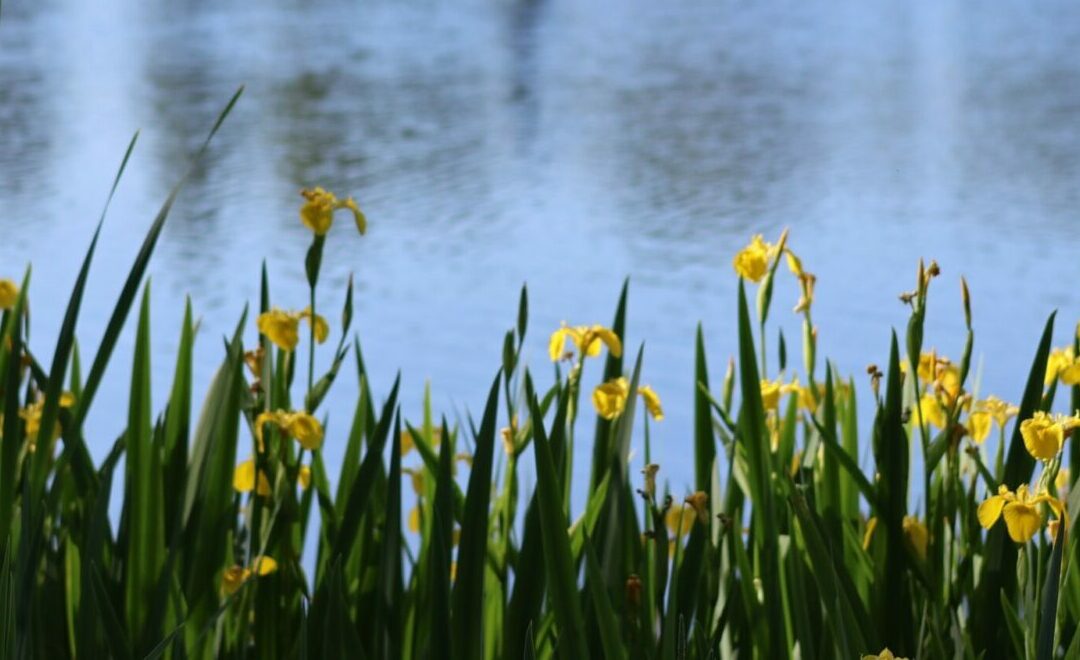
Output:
x=563 y=144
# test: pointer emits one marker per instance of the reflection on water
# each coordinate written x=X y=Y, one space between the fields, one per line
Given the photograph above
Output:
x=559 y=144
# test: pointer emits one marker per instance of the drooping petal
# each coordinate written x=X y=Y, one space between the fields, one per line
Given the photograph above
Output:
x=652 y=402
x=320 y=326
x=610 y=339
x=1022 y=520
x=358 y=215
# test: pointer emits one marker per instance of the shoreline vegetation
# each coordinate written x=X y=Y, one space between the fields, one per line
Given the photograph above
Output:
x=782 y=546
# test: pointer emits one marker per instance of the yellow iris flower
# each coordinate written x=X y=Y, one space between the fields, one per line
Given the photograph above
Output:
x=9 y=293
x=609 y=398
x=752 y=262
x=283 y=328
x=1020 y=510
x=244 y=479
x=1062 y=364
x=234 y=577
x=317 y=212
x=300 y=425
x=1044 y=434
x=679 y=519
x=985 y=411
x=885 y=654
x=770 y=393
x=588 y=339
x=31 y=415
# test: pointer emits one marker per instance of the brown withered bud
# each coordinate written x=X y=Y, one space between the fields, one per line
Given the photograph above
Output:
x=907 y=296
x=633 y=590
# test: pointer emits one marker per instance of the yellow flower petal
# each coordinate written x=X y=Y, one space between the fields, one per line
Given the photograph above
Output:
x=233 y=578
x=244 y=477
x=358 y=215
x=990 y=510
x=770 y=394
x=752 y=262
x=1043 y=437
x=557 y=343
x=317 y=212
x=1022 y=520
x=700 y=502
x=979 y=426
x=680 y=519
x=321 y=327
x=262 y=565
x=609 y=338
x=304 y=477
x=931 y=411
x=917 y=535
x=9 y=293
x=306 y=429
x=652 y=402
x=609 y=398
x=280 y=327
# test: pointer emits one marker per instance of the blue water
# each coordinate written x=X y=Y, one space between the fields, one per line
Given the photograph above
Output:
x=563 y=144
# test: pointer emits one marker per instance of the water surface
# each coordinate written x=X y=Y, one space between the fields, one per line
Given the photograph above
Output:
x=567 y=145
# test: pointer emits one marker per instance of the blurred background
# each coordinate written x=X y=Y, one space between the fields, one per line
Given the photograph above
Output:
x=560 y=144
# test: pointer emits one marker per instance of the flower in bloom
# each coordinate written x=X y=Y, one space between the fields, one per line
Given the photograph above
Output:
x=588 y=339
x=986 y=410
x=283 y=328
x=680 y=519
x=234 y=577
x=1020 y=510
x=9 y=293
x=885 y=654
x=652 y=402
x=1061 y=363
x=700 y=502
x=244 y=479
x=752 y=262
x=317 y=212
x=1044 y=434
x=770 y=393
x=610 y=398
x=917 y=535
x=300 y=425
